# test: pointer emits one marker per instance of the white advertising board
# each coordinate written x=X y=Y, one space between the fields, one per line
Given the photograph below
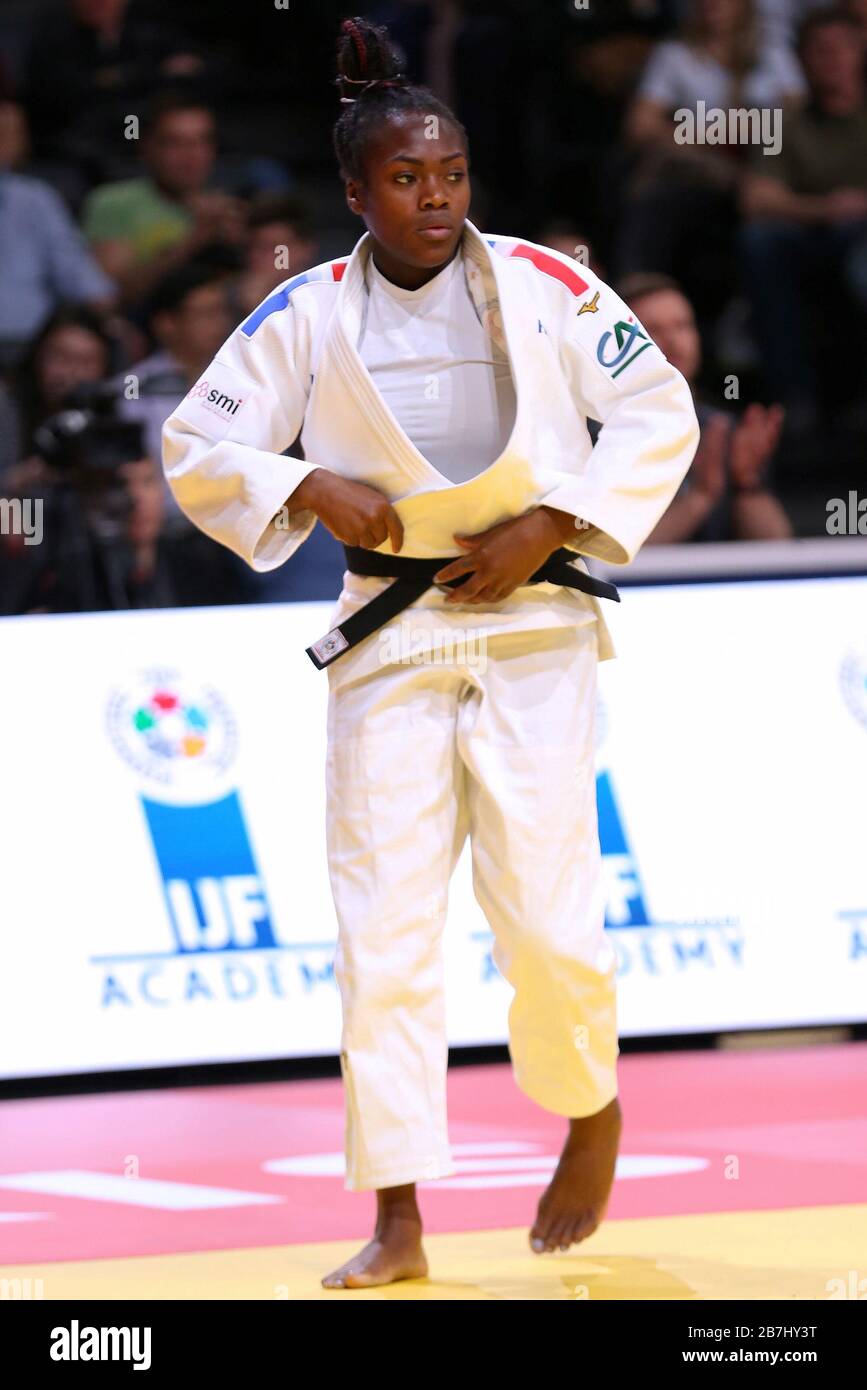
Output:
x=165 y=897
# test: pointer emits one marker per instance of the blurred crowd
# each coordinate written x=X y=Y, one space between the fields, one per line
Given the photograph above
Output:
x=165 y=163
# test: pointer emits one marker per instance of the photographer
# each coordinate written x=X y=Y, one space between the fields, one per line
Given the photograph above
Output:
x=102 y=506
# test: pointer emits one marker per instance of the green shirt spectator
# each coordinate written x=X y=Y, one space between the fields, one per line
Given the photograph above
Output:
x=136 y=212
x=821 y=152
x=144 y=228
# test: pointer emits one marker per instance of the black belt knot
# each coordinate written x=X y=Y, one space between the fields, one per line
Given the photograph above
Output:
x=412 y=575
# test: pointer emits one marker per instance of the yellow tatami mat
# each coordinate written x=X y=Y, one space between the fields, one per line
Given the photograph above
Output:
x=789 y=1254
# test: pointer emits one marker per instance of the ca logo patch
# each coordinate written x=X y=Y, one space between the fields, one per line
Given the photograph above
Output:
x=626 y=336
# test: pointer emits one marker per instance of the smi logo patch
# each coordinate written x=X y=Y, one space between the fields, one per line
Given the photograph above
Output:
x=216 y=401
x=212 y=398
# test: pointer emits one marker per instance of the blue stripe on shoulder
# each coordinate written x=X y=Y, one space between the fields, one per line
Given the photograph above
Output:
x=278 y=300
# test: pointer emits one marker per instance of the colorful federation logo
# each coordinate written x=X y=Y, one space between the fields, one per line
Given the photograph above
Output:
x=853 y=683
x=184 y=737
x=172 y=733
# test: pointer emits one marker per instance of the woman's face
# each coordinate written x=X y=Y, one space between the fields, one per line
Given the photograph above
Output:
x=415 y=193
x=69 y=357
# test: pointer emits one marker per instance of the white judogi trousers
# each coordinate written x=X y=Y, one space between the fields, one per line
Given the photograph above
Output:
x=497 y=743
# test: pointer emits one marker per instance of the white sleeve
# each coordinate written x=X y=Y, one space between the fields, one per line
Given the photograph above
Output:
x=222 y=446
x=618 y=376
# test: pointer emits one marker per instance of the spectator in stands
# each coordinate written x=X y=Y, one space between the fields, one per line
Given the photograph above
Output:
x=91 y=64
x=681 y=213
x=278 y=244
x=44 y=259
x=73 y=349
x=188 y=319
x=142 y=228
x=725 y=495
x=805 y=245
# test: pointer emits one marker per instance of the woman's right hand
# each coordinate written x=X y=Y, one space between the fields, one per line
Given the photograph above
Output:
x=354 y=513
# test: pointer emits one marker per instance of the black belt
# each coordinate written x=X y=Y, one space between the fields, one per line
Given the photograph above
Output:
x=412 y=576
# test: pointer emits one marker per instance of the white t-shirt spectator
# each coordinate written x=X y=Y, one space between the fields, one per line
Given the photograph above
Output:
x=778 y=19
x=679 y=76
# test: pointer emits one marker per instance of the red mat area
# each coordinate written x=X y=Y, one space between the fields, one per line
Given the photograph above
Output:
x=771 y=1129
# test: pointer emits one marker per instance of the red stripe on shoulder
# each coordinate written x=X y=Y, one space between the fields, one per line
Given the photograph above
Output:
x=551 y=266
x=338 y=268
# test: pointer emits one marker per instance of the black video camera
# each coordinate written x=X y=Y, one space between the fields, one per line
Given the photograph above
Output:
x=87 y=437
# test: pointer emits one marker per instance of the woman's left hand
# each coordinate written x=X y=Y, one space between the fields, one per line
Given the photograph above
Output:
x=505 y=556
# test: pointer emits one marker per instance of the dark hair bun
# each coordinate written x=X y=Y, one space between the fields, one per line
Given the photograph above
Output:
x=365 y=53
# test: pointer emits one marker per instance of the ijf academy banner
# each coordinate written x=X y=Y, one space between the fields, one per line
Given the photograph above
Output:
x=165 y=897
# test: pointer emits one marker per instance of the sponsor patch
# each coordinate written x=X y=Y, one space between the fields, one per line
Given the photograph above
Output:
x=217 y=400
x=619 y=349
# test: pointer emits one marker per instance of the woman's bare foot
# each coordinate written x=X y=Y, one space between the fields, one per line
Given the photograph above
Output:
x=395 y=1251
x=575 y=1200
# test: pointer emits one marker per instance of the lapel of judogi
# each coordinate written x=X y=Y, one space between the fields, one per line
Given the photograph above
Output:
x=497 y=311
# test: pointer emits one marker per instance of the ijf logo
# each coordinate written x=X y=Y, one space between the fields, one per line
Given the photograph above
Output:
x=171 y=732
x=853 y=683
x=183 y=737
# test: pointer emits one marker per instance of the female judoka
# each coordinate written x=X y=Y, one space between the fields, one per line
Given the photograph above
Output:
x=441 y=380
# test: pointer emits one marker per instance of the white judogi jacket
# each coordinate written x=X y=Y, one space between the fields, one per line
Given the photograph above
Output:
x=576 y=350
